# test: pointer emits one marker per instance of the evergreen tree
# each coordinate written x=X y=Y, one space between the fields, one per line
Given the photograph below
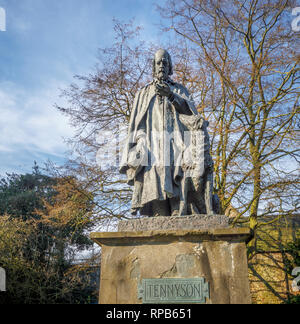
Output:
x=43 y=223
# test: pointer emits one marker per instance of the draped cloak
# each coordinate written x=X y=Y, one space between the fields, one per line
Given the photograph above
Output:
x=151 y=166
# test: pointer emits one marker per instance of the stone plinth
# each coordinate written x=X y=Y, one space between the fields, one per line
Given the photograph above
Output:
x=174 y=223
x=217 y=255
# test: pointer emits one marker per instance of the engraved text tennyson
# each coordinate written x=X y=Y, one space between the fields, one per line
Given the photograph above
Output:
x=173 y=290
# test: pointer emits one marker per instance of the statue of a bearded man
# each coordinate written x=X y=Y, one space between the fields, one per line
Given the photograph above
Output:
x=166 y=157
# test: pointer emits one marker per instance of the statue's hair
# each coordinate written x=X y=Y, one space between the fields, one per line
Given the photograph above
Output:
x=169 y=59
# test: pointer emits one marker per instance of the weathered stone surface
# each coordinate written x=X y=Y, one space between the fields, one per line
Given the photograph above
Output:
x=174 y=223
x=217 y=255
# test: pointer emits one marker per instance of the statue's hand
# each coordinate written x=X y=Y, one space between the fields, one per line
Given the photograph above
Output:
x=163 y=89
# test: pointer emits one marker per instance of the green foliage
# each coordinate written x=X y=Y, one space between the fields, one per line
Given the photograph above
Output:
x=42 y=225
x=20 y=195
x=293 y=250
x=294 y=300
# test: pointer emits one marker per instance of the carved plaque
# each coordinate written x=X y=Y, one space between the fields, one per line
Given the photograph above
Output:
x=173 y=291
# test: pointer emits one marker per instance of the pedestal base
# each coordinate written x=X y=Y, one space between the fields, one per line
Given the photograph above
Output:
x=218 y=256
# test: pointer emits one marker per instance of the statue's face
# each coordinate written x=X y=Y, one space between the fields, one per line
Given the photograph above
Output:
x=162 y=66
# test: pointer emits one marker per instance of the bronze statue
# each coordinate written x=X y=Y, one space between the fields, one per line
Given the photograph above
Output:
x=166 y=157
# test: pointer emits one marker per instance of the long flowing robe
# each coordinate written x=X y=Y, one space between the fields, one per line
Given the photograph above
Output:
x=152 y=167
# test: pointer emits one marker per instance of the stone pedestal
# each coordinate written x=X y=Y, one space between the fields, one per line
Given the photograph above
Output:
x=216 y=255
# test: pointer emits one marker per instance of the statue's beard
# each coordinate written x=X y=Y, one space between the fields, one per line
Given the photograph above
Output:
x=162 y=76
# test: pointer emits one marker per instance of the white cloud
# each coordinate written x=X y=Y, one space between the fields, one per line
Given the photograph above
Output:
x=31 y=122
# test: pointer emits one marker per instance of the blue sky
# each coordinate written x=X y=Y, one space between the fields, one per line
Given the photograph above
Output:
x=45 y=44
